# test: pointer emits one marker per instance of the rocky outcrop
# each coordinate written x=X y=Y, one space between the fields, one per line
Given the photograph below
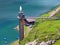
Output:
x=32 y=43
x=42 y=43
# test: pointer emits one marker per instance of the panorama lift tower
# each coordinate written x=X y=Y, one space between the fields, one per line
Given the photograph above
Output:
x=21 y=24
x=23 y=21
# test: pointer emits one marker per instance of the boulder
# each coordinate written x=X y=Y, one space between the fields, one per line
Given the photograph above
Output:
x=43 y=43
x=49 y=42
x=53 y=41
x=31 y=43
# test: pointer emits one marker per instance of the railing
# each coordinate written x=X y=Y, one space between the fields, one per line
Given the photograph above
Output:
x=58 y=18
x=43 y=18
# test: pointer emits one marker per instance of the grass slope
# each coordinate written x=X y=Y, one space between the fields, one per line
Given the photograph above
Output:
x=44 y=30
x=57 y=42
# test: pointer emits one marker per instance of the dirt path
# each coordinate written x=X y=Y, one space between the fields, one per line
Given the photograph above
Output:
x=54 y=12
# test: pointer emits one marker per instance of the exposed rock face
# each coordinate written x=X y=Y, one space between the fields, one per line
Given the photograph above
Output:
x=35 y=43
x=53 y=41
x=42 y=43
x=31 y=43
x=49 y=42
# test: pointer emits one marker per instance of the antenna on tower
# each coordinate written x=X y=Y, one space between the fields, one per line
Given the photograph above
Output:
x=20 y=8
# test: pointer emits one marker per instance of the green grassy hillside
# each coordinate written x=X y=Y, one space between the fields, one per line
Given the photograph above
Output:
x=57 y=42
x=44 y=30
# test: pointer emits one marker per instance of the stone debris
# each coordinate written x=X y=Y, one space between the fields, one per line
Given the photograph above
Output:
x=42 y=43
x=53 y=41
x=31 y=43
x=49 y=42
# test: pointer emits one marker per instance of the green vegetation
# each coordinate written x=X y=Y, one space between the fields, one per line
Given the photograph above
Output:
x=25 y=31
x=57 y=42
x=44 y=30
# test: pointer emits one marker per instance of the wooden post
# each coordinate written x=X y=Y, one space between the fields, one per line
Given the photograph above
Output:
x=21 y=24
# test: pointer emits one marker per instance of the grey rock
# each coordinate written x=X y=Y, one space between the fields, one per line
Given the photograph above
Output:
x=53 y=41
x=49 y=42
x=43 y=43
x=31 y=43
